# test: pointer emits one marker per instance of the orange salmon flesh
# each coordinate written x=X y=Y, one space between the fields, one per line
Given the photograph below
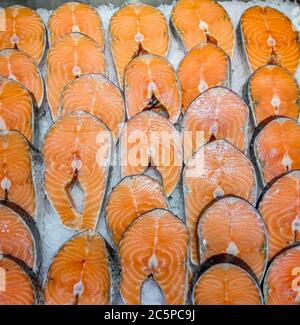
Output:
x=71 y=56
x=280 y=209
x=75 y=17
x=269 y=37
x=16 y=108
x=16 y=178
x=205 y=65
x=150 y=82
x=239 y=221
x=281 y=284
x=203 y=21
x=79 y=273
x=20 y=66
x=135 y=29
x=226 y=284
x=156 y=245
x=216 y=169
x=94 y=94
x=277 y=148
x=23 y=30
x=273 y=91
x=218 y=113
x=19 y=288
x=83 y=164
x=148 y=139
x=132 y=197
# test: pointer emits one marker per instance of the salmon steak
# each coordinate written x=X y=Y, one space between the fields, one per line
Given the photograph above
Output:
x=71 y=56
x=216 y=169
x=73 y=17
x=19 y=66
x=239 y=221
x=149 y=140
x=79 y=273
x=155 y=245
x=151 y=83
x=16 y=181
x=19 y=236
x=202 y=21
x=137 y=29
x=75 y=177
x=23 y=29
x=130 y=198
x=17 y=283
x=226 y=280
x=281 y=283
x=97 y=95
x=276 y=148
x=280 y=208
x=269 y=37
x=204 y=66
x=218 y=113
x=16 y=108
x=272 y=91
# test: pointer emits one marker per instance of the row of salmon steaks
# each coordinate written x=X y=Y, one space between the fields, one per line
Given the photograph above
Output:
x=221 y=253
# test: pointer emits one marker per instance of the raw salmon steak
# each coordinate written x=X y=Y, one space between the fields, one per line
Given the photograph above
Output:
x=79 y=273
x=80 y=168
x=75 y=17
x=276 y=148
x=19 y=236
x=23 y=29
x=137 y=29
x=216 y=169
x=16 y=108
x=226 y=280
x=269 y=37
x=16 y=182
x=17 y=65
x=16 y=283
x=239 y=222
x=71 y=56
x=205 y=65
x=281 y=283
x=198 y=21
x=150 y=140
x=130 y=198
x=97 y=95
x=272 y=91
x=280 y=208
x=151 y=83
x=155 y=245
x=218 y=113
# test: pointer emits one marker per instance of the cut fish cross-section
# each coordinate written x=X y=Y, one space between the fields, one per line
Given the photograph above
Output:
x=75 y=17
x=269 y=37
x=23 y=30
x=16 y=108
x=77 y=152
x=132 y=197
x=218 y=113
x=18 y=65
x=204 y=66
x=70 y=57
x=216 y=169
x=137 y=29
x=16 y=181
x=231 y=225
x=155 y=244
x=150 y=140
x=79 y=273
x=203 y=21
x=95 y=94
